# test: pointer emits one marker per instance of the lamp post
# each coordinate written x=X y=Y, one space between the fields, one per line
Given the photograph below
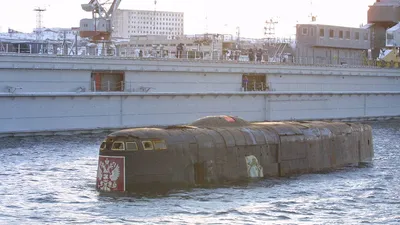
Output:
x=238 y=37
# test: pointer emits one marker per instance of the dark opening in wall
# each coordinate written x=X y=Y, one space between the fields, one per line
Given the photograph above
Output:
x=254 y=82
x=108 y=80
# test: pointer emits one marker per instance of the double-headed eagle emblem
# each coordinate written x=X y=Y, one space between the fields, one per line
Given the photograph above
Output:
x=107 y=175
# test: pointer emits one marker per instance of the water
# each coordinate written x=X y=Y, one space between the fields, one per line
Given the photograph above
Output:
x=49 y=180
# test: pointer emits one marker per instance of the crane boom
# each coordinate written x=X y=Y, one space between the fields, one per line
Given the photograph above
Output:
x=99 y=27
x=113 y=8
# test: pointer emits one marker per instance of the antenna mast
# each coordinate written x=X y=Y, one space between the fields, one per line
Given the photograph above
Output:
x=39 y=11
x=312 y=16
x=238 y=37
x=269 y=30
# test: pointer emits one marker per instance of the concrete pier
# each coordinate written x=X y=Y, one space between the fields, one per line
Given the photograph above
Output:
x=40 y=94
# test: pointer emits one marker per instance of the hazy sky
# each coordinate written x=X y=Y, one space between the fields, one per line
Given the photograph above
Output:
x=223 y=16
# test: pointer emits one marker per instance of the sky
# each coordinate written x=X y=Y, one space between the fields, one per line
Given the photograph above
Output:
x=223 y=16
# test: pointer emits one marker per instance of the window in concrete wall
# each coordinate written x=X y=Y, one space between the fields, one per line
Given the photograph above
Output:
x=365 y=36
x=347 y=34
x=304 y=31
x=331 y=33
x=341 y=34
x=321 y=32
x=389 y=36
x=254 y=82
x=357 y=35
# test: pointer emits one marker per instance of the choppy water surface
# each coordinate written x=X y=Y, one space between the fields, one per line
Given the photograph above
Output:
x=48 y=180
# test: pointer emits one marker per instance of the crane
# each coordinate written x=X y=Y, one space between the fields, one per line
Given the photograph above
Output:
x=99 y=27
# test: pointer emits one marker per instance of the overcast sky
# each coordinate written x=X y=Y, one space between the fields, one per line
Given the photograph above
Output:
x=223 y=16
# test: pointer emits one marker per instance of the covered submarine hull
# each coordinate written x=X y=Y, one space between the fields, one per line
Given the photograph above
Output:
x=219 y=150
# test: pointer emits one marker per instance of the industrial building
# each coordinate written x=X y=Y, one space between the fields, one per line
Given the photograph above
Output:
x=128 y=23
x=393 y=36
x=325 y=44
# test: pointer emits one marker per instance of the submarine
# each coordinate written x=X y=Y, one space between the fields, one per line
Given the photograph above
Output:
x=221 y=150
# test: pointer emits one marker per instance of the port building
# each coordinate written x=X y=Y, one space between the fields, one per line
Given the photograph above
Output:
x=128 y=23
x=326 y=44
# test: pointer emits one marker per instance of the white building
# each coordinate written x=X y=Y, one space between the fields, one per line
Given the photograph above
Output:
x=129 y=23
x=393 y=36
x=54 y=34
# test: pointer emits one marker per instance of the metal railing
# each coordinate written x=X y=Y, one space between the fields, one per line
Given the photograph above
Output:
x=205 y=57
x=125 y=86
x=255 y=86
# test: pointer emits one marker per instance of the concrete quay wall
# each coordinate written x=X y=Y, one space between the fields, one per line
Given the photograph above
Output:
x=52 y=112
x=70 y=74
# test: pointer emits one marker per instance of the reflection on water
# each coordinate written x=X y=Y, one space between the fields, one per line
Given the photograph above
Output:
x=52 y=180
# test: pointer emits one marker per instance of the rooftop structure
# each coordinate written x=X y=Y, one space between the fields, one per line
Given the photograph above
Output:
x=53 y=41
x=382 y=15
x=384 y=11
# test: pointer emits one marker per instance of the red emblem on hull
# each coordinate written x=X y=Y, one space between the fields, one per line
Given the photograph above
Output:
x=111 y=173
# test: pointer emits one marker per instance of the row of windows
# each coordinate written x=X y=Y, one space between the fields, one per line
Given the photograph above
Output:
x=157 y=28
x=335 y=34
x=100 y=25
x=154 y=32
x=169 y=36
x=151 y=18
x=150 y=45
x=157 y=14
x=173 y=24
x=152 y=29
x=132 y=146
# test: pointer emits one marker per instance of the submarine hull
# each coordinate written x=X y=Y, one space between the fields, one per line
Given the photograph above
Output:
x=224 y=150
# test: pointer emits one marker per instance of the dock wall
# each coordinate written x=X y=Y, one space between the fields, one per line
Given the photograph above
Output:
x=52 y=112
x=56 y=93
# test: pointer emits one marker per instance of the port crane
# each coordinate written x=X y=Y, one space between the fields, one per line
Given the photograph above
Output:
x=98 y=28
